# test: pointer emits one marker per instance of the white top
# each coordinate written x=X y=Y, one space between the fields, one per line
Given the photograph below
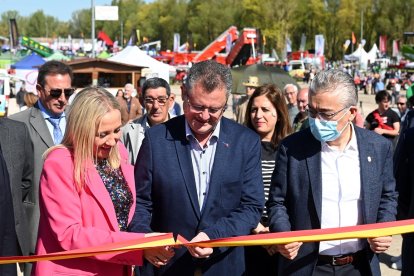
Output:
x=341 y=195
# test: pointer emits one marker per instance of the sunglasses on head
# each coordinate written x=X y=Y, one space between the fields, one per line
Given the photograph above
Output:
x=57 y=92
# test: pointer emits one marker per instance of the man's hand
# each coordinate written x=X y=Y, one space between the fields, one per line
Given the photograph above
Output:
x=289 y=250
x=380 y=244
x=200 y=252
x=260 y=229
x=159 y=256
x=271 y=249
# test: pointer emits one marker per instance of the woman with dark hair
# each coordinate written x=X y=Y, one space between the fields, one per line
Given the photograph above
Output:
x=383 y=120
x=268 y=116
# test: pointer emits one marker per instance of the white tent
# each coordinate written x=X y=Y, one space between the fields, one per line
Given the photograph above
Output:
x=373 y=53
x=132 y=55
x=359 y=55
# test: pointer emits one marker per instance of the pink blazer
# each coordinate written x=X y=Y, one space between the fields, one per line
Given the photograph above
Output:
x=72 y=220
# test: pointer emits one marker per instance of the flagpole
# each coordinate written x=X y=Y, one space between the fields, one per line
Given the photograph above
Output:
x=362 y=25
x=93 y=28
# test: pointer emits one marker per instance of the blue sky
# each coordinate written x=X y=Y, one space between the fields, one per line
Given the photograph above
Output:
x=61 y=9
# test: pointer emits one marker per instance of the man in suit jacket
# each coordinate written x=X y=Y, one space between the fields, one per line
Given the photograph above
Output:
x=17 y=151
x=156 y=94
x=54 y=87
x=8 y=244
x=404 y=175
x=332 y=175
x=199 y=175
x=130 y=106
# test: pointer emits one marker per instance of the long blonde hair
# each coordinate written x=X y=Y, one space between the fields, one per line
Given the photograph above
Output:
x=82 y=124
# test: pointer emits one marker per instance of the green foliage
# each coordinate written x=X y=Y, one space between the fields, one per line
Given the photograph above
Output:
x=203 y=20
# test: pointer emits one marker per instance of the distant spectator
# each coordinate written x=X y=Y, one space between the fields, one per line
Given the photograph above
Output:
x=383 y=120
x=120 y=92
x=402 y=106
x=251 y=85
x=130 y=106
x=290 y=91
x=301 y=119
x=175 y=108
x=29 y=99
x=20 y=96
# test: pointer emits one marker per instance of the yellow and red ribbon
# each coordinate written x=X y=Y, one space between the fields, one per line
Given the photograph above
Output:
x=351 y=232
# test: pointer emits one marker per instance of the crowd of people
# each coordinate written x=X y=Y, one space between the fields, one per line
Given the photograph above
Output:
x=107 y=168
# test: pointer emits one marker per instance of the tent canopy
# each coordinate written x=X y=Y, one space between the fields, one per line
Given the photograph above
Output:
x=266 y=75
x=29 y=62
x=57 y=55
x=132 y=55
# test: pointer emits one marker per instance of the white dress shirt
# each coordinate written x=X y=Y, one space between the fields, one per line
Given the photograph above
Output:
x=341 y=195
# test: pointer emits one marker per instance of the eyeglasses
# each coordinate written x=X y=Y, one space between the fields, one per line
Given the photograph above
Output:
x=400 y=103
x=161 y=100
x=322 y=115
x=211 y=110
x=57 y=92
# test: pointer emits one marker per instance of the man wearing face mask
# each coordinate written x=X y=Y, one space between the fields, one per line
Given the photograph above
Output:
x=341 y=178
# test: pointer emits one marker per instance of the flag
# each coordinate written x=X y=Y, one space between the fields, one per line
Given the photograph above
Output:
x=302 y=42
x=395 y=48
x=14 y=34
x=353 y=38
x=138 y=37
x=229 y=43
x=383 y=44
x=176 y=42
x=288 y=45
x=319 y=45
x=346 y=44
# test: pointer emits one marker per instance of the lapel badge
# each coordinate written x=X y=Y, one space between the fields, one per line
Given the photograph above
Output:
x=369 y=158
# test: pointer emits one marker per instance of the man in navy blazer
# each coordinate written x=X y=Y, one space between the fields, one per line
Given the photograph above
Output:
x=199 y=175
x=332 y=174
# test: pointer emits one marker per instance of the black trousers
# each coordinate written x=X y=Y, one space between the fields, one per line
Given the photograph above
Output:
x=359 y=267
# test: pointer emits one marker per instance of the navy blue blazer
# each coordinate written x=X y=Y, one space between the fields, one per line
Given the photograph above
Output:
x=8 y=239
x=295 y=199
x=167 y=195
x=404 y=174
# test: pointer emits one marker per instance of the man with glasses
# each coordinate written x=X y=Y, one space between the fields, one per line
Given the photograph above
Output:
x=402 y=107
x=157 y=100
x=199 y=175
x=330 y=175
x=46 y=122
x=291 y=91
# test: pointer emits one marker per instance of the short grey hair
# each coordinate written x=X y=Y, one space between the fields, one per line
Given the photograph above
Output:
x=295 y=88
x=401 y=97
x=336 y=82
x=211 y=75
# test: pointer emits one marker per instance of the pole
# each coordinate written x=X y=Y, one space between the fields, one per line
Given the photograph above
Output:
x=362 y=24
x=122 y=34
x=93 y=28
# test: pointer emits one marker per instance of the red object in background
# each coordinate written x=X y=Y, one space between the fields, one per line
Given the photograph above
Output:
x=353 y=38
x=103 y=36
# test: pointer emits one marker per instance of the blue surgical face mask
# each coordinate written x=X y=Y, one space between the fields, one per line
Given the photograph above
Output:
x=325 y=131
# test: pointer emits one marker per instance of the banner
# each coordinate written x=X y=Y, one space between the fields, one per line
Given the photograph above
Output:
x=395 y=48
x=314 y=235
x=383 y=44
x=14 y=33
x=288 y=45
x=319 y=45
x=176 y=44
x=302 y=43
x=106 y=13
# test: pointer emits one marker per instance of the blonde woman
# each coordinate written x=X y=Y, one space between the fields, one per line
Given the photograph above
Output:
x=87 y=191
